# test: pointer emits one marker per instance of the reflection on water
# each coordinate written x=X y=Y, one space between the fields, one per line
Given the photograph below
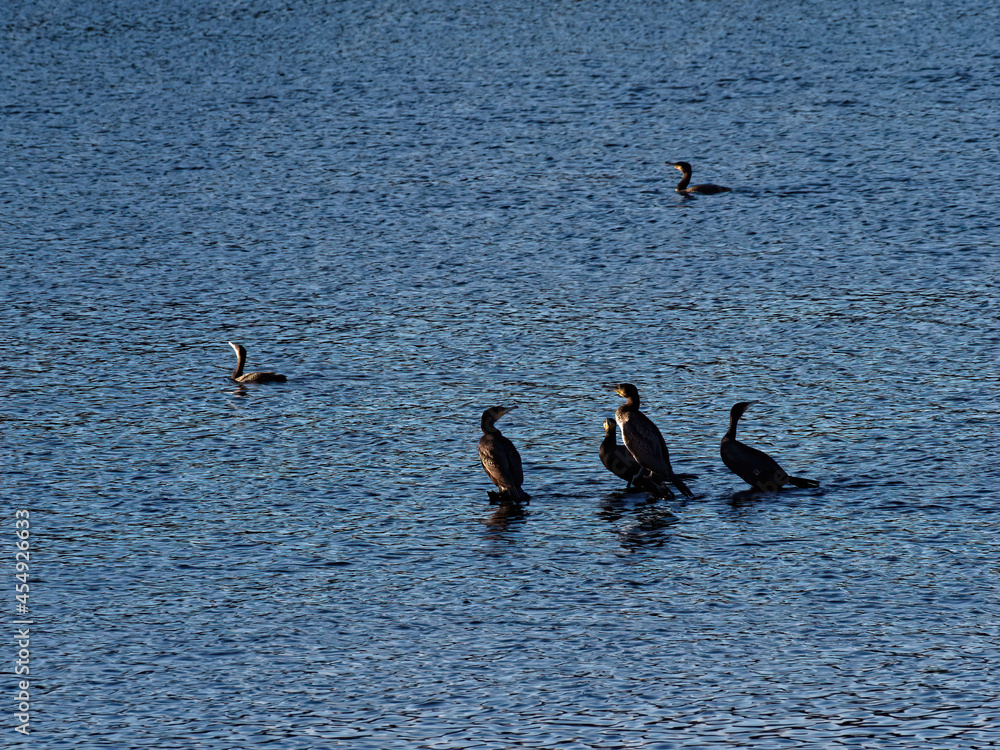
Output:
x=505 y=513
x=637 y=523
x=753 y=495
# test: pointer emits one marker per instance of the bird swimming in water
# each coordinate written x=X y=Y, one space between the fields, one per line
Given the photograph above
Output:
x=642 y=439
x=682 y=186
x=619 y=461
x=239 y=376
x=500 y=458
x=754 y=467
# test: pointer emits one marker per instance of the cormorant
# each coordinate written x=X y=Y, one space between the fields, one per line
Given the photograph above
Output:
x=682 y=186
x=619 y=461
x=642 y=439
x=239 y=376
x=500 y=458
x=616 y=458
x=754 y=467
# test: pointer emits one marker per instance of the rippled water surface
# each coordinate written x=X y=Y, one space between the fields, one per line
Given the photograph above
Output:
x=418 y=210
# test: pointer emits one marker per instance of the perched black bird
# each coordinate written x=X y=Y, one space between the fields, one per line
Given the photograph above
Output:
x=754 y=467
x=500 y=458
x=616 y=458
x=619 y=461
x=682 y=186
x=238 y=375
x=643 y=440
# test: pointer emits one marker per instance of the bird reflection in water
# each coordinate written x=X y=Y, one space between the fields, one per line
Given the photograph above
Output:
x=637 y=525
x=506 y=513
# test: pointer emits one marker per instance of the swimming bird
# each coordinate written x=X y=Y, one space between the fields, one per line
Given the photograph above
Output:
x=642 y=439
x=754 y=467
x=682 y=186
x=619 y=461
x=500 y=458
x=239 y=376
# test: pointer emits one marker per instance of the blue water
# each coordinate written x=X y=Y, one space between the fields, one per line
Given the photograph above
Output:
x=416 y=211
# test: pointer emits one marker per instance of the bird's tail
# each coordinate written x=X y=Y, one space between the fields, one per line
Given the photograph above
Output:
x=515 y=494
x=679 y=484
x=656 y=486
x=799 y=482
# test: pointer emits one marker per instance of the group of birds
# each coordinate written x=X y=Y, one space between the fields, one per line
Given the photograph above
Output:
x=643 y=462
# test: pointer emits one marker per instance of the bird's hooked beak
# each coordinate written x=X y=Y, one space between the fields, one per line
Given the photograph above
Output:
x=616 y=387
x=675 y=166
x=506 y=410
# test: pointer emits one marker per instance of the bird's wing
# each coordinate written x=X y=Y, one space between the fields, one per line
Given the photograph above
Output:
x=502 y=464
x=750 y=464
x=646 y=444
x=618 y=460
x=513 y=462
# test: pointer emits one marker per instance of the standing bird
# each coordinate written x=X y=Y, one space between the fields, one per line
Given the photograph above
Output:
x=642 y=439
x=754 y=467
x=500 y=458
x=238 y=375
x=682 y=186
x=616 y=458
x=619 y=461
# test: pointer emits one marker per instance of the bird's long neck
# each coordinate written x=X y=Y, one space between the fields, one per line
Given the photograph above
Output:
x=489 y=428
x=631 y=403
x=734 y=417
x=684 y=180
x=241 y=358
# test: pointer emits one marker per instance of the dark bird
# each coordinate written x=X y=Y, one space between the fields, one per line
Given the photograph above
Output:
x=754 y=467
x=682 y=186
x=239 y=376
x=500 y=458
x=616 y=458
x=619 y=461
x=643 y=440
